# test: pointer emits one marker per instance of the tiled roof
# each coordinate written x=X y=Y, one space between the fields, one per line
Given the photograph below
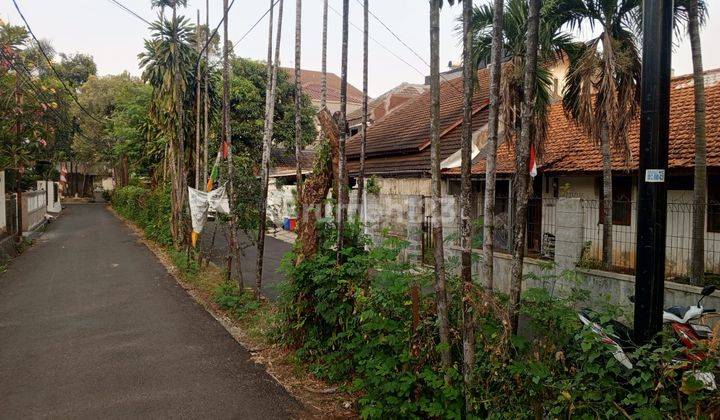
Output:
x=399 y=142
x=312 y=85
x=569 y=150
x=387 y=102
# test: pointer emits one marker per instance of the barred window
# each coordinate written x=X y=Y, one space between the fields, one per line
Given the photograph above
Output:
x=622 y=200
x=713 y=208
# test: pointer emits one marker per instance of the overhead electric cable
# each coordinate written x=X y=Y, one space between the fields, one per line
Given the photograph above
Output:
x=127 y=9
x=52 y=67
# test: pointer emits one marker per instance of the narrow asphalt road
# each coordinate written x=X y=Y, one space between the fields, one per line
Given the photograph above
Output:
x=275 y=251
x=93 y=326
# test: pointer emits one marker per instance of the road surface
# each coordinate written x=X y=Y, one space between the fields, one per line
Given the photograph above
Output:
x=92 y=326
x=275 y=251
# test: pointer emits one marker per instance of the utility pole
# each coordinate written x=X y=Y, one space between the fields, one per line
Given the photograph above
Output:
x=652 y=187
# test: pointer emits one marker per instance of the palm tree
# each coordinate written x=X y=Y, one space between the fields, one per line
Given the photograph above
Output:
x=323 y=94
x=496 y=35
x=197 y=105
x=298 y=107
x=342 y=164
x=363 y=133
x=168 y=62
x=602 y=87
x=270 y=93
x=511 y=44
x=693 y=14
x=206 y=95
x=437 y=230
x=466 y=222
x=522 y=157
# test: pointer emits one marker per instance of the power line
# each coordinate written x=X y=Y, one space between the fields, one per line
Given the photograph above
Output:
x=130 y=11
x=380 y=44
x=254 y=25
x=213 y=34
x=39 y=94
x=42 y=50
x=396 y=35
x=405 y=44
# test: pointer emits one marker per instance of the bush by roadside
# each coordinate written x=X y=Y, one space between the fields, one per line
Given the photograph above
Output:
x=353 y=322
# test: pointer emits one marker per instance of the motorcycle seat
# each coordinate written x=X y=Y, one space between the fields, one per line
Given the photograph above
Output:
x=678 y=311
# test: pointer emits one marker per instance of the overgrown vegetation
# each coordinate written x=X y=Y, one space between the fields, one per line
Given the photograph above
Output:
x=353 y=323
x=149 y=209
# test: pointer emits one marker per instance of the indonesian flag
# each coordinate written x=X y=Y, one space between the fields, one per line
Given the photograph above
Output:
x=533 y=162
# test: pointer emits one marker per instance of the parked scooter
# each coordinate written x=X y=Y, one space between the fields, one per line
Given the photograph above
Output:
x=690 y=335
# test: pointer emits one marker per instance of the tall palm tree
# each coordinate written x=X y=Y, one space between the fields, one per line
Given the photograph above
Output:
x=465 y=203
x=323 y=94
x=512 y=44
x=298 y=107
x=206 y=95
x=198 y=84
x=693 y=14
x=270 y=94
x=168 y=62
x=342 y=159
x=496 y=48
x=602 y=87
x=522 y=157
x=437 y=230
x=363 y=129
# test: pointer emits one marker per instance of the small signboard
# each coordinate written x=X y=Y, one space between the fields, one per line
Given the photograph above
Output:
x=655 y=175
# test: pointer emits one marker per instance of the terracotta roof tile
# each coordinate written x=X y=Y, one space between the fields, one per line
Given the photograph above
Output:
x=568 y=149
x=406 y=131
x=312 y=85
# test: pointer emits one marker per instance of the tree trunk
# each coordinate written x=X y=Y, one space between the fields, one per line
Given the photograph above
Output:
x=234 y=251
x=298 y=111
x=437 y=228
x=697 y=272
x=466 y=208
x=206 y=99
x=363 y=129
x=607 y=197
x=342 y=165
x=323 y=94
x=522 y=158
x=492 y=143
x=270 y=92
x=197 y=106
x=317 y=186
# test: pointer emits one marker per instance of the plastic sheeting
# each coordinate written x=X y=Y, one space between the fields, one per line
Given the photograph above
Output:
x=201 y=202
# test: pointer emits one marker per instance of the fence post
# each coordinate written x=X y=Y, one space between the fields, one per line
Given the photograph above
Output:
x=569 y=240
x=415 y=214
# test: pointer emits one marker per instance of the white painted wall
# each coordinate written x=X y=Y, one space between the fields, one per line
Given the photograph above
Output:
x=679 y=228
x=2 y=201
x=281 y=202
x=404 y=186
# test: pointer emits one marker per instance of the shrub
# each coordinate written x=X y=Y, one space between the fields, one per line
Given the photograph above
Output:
x=149 y=209
x=353 y=323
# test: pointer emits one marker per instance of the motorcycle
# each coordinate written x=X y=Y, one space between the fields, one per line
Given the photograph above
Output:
x=690 y=335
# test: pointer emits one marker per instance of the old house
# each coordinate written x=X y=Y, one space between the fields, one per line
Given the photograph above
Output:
x=571 y=167
x=311 y=82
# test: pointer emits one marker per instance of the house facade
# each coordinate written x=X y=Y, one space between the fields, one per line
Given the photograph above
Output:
x=571 y=167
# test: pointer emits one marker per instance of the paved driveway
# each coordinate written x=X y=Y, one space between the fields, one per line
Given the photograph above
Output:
x=92 y=326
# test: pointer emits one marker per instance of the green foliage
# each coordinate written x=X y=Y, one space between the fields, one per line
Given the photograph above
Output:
x=353 y=323
x=149 y=209
x=238 y=303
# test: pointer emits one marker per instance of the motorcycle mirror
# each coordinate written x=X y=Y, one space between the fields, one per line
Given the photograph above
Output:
x=708 y=290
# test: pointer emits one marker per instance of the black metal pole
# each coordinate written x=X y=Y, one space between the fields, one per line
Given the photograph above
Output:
x=652 y=188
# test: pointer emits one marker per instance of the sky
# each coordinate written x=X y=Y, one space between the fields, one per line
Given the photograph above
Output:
x=114 y=37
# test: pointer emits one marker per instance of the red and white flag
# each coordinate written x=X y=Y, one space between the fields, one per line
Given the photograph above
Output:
x=533 y=162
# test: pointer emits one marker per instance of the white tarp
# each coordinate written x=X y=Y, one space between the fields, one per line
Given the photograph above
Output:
x=201 y=202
